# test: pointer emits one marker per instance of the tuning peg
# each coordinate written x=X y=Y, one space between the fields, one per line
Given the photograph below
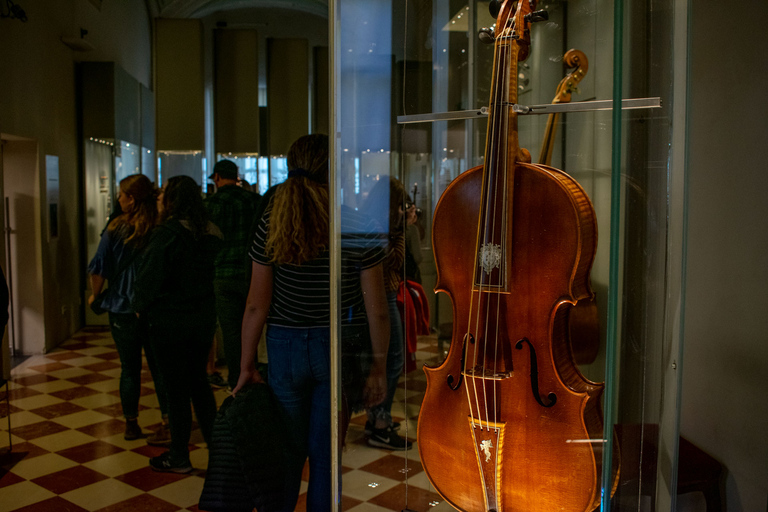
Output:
x=537 y=16
x=487 y=35
x=494 y=7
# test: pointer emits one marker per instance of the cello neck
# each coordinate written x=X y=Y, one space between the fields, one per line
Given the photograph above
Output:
x=502 y=148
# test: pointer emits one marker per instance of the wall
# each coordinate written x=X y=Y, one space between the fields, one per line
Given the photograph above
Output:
x=724 y=406
x=38 y=101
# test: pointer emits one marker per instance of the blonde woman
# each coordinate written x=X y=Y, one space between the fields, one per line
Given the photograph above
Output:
x=116 y=261
x=289 y=292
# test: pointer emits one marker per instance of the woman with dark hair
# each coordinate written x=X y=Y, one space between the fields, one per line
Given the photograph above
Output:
x=116 y=261
x=290 y=293
x=174 y=293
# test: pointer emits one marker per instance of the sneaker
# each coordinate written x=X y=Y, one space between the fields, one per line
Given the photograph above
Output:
x=388 y=439
x=161 y=437
x=132 y=430
x=165 y=464
x=217 y=381
x=369 y=427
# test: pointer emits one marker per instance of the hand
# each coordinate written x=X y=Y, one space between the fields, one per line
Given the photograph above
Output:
x=91 y=299
x=410 y=215
x=247 y=377
x=375 y=390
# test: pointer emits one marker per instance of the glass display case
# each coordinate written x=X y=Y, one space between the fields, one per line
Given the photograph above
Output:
x=432 y=94
x=181 y=163
x=106 y=162
x=253 y=169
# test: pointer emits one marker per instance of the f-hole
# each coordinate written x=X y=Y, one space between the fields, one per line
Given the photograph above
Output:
x=535 y=374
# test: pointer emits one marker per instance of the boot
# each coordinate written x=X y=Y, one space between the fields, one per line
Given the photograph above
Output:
x=162 y=436
x=132 y=429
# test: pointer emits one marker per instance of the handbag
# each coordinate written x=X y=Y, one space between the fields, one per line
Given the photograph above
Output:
x=250 y=454
x=96 y=306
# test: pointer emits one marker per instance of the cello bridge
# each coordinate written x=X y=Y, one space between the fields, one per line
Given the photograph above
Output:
x=480 y=372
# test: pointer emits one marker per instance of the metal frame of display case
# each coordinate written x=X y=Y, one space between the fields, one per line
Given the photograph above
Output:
x=670 y=370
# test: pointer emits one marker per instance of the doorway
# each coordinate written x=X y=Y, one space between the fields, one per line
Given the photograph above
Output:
x=21 y=249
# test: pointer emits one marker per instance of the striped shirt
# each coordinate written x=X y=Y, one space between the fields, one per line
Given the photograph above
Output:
x=301 y=293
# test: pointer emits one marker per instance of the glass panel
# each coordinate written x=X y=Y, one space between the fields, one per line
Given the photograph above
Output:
x=99 y=202
x=128 y=159
x=253 y=169
x=148 y=163
x=278 y=170
x=181 y=163
x=612 y=347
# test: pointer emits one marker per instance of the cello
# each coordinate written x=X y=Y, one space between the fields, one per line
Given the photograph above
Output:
x=583 y=319
x=508 y=423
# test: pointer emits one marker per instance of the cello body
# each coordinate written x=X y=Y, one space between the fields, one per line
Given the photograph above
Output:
x=508 y=423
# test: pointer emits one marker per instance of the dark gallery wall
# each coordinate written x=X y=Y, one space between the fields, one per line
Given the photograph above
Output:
x=724 y=405
x=38 y=105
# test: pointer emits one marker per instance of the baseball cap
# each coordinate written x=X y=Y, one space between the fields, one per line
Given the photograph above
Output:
x=226 y=169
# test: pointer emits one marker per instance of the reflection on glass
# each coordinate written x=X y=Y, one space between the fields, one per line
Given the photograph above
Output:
x=98 y=191
x=127 y=160
x=253 y=169
x=181 y=163
x=279 y=170
x=148 y=163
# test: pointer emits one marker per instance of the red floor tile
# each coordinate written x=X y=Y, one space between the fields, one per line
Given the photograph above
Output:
x=50 y=367
x=90 y=451
x=146 y=479
x=418 y=499
x=115 y=410
x=72 y=393
x=63 y=355
x=26 y=450
x=88 y=337
x=69 y=479
x=393 y=467
x=143 y=390
x=143 y=502
x=19 y=393
x=8 y=478
x=150 y=451
x=76 y=346
x=88 y=378
x=4 y=407
x=56 y=504
x=100 y=367
x=348 y=503
x=57 y=410
x=108 y=356
x=40 y=429
x=31 y=380
x=103 y=428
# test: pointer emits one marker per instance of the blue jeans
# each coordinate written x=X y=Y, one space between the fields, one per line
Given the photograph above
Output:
x=299 y=375
x=395 y=361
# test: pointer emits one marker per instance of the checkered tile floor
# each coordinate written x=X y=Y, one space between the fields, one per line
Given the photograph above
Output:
x=69 y=453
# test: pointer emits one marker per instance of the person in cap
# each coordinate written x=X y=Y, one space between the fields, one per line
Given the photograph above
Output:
x=232 y=209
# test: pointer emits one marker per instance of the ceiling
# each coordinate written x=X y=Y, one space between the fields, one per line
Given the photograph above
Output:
x=202 y=8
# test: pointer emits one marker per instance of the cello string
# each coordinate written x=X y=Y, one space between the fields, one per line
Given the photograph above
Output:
x=502 y=211
x=499 y=217
x=490 y=163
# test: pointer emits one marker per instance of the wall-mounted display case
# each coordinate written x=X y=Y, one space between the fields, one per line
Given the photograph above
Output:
x=425 y=91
